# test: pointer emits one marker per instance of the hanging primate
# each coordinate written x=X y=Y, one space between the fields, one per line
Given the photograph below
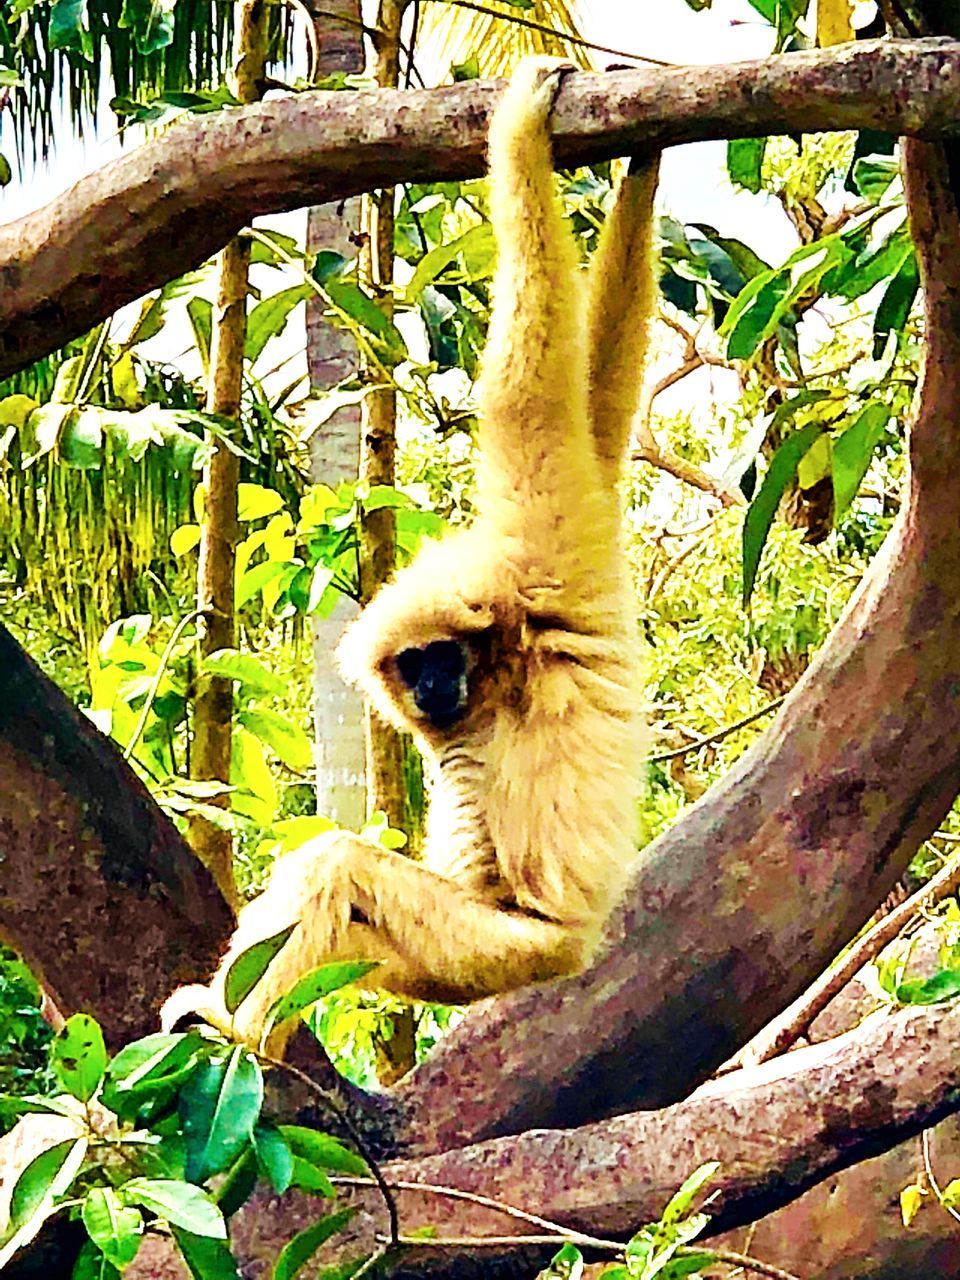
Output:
x=509 y=649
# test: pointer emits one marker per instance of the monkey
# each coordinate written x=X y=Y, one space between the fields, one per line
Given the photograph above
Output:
x=509 y=649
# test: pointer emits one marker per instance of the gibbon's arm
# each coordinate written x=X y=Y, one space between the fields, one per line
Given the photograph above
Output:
x=532 y=392
x=621 y=306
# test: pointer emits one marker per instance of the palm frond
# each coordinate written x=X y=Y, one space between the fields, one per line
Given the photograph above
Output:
x=498 y=36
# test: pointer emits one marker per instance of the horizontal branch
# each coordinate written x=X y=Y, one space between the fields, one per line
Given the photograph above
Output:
x=775 y=1131
x=167 y=206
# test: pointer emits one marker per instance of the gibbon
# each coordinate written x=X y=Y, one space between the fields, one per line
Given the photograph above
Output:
x=509 y=649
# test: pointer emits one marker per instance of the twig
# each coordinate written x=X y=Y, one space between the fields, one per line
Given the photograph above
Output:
x=743 y=1260
x=340 y=1110
x=568 y=36
x=178 y=631
x=719 y=736
x=931 y=1176
x=369 y=1264
x=787 y=1030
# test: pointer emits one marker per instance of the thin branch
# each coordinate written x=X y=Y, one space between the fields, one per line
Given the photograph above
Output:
x=165 y=657
x=330 y=1100
x=787 y=1029
x=745 y=1261
x=931 y=1176
x=719 y=736
x=568 y=36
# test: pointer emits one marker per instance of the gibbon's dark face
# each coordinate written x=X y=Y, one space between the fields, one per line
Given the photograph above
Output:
x=436 y=676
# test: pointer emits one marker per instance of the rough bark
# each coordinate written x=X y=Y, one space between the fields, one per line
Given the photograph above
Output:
x=97 y=890
x=213 y=706
x=172 y=203
x=335 y=456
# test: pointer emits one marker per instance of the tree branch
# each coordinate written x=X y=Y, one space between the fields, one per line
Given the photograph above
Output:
x=172 y=203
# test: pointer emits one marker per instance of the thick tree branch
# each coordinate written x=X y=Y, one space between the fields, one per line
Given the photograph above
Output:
x=776 y=1131
x=175 y=201
x=97 y=889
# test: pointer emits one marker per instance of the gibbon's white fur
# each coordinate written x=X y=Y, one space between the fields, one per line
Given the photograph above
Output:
x=526 y=706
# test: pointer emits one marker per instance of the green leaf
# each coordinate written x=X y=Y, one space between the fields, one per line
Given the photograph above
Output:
x=81 y=440
x=249 y=671
x=287 y=740
x=67 y=28
x=151 y=22
x=874 y=175
x=47 y=1177
x=682 y=1200
x=250 y=966
x=567 y=1264
x=150 y=1070
x=115 y=1228
x=853 y=452
x=274 y=1157
x=296 y=1253
x=256 y=790
x=218 y=1108
x=179 y=1203
x=689 y=1264
x=744 y=162
x=206 y=1258
x=184 y=538
x=92 y=1265
x=253 y=581
x=322 y=1151
x=434 y=263
x=362 y=313
x=269 y=318
x=307 y=1177
x=200 y=315
x=312 y=986
x=781 y=471
x=79 y=1056
x=894 y=308
x=942 y=986
x=6 y=173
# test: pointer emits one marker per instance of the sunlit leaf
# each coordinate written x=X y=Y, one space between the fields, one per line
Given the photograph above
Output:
x=781 y=471
x=218 y=1108
x=79 y=1056
x=115 y=1228
x=250 y=966
x=296 y=1253
x=179 y=1203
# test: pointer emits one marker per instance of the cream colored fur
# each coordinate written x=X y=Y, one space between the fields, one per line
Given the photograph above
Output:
x=532 y=818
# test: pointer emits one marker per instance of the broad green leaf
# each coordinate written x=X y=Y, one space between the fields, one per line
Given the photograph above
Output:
x=250 y=966
x=744 y=162
x=942 y=986
x=866 y=270
x=200 y=315
x=47 y=1177
x=853 y=452
x=687 y=1264
x=254 y=580
x=287 y=740
x=6 y=172
x=269 y=318
x=874 y=175
x=179 y=1203
x=151 y=22
x=92 y=1265
x=296 y=1253
x=274 y=1157
x=312 y=986
x=950 y=1195
x=256 y=793
x=150 y=1069
x=115 y=1228
x=249 y=671
x=434 y=263
x=321 y=1150
x=218 y=1108
x=79 y=1056
x=81 y=440
x=255 y=501
x=781 y=471
x=237 y=1185
x=15 y=410
x=68 y=28
x=834 y=22
x=363 y=314
x=307 y=1177
x=45 y=427
x=206 y=1258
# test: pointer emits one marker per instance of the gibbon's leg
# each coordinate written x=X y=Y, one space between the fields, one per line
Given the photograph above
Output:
x=536 y=450
x=435 y=940
x=621 y=305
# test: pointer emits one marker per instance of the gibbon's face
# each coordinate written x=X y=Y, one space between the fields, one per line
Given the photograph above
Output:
x=436 y=677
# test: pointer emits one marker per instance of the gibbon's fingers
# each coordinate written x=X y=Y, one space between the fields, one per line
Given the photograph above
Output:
x=621 y=304
x=535 y=446
x=434 y=939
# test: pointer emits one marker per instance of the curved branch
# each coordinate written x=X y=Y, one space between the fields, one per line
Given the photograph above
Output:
x=167 y=206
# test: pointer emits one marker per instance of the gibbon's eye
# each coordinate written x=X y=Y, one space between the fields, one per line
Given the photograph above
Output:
x=437 y=677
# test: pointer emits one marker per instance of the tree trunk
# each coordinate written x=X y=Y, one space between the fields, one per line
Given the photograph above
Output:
x=386 y=790
x=213 y=708
x=335 y=456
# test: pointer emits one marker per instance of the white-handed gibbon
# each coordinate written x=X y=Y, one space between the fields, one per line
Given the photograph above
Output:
x=509 y=650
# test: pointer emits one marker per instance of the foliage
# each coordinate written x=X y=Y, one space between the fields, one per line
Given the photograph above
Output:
x=168 y=1131
x=24 y=1035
